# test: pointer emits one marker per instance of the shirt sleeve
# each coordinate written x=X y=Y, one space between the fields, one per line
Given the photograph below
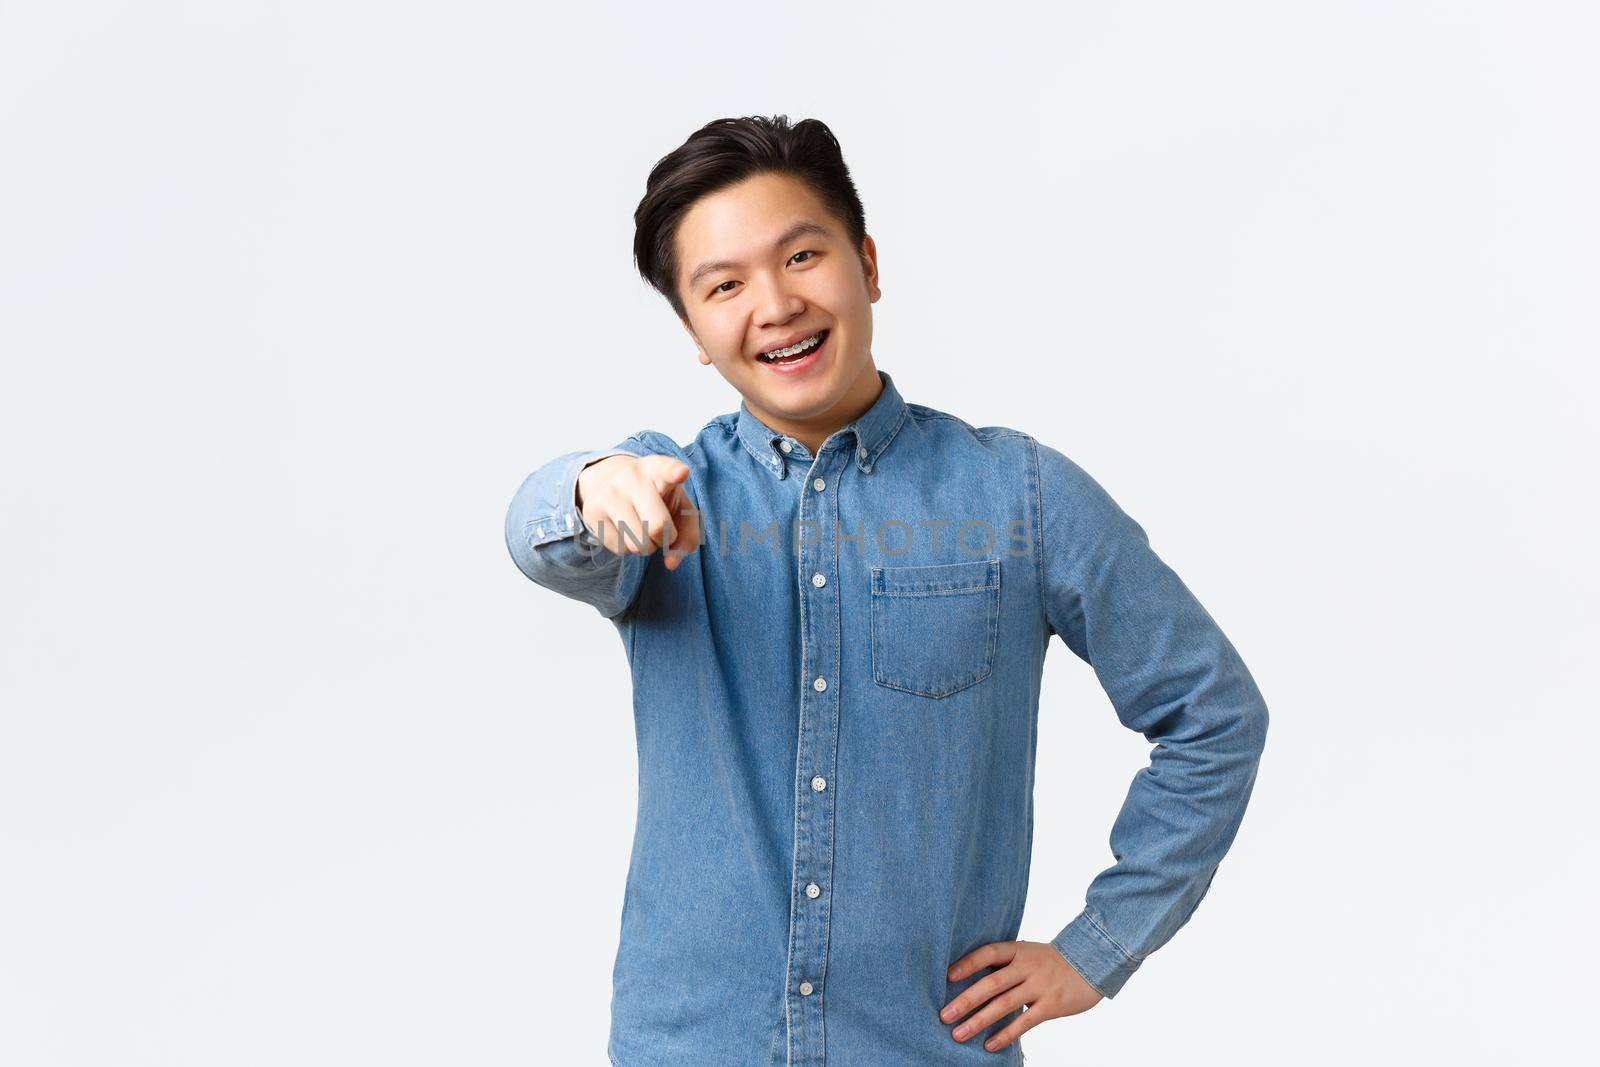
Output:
x=1174 y=677
x=552 y=545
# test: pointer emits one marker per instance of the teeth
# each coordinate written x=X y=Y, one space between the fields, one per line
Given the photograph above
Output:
x=793 y=350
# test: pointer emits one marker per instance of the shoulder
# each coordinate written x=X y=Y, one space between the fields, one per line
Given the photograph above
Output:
x=935 y=423
x=1074 y=504
x=1061 y=483
x=1055 y=471
x=656 y=442
x=1062 y=474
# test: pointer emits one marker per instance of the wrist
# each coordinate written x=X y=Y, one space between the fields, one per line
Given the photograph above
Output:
x=577 y=488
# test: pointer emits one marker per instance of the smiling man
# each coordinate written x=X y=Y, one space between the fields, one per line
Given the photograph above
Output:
x=836 y=606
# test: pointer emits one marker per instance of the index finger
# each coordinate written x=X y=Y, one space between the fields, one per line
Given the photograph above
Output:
x=688 y=528
x=665 y=473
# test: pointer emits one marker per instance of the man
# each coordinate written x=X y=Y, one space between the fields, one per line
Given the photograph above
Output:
x=836 y=699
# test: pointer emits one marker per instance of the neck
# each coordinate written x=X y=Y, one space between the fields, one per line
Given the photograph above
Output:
x=813 y=431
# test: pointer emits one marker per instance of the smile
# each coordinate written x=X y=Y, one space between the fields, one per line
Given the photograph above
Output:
x=795 y=353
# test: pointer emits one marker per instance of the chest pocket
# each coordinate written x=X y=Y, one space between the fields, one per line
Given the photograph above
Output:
x=933 y=627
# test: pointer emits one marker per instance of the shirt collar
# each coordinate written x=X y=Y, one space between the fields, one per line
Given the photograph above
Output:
x=873 y=431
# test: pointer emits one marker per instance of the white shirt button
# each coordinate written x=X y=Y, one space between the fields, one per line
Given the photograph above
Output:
x=820 y=684
x=785 y=445
x=812 y=891
x=862 y=452
x=538 y=531
x=819 y=485
x=818 y=580
x=805 y=989
x=819 y=783
x=569 y=522
x=867 y=469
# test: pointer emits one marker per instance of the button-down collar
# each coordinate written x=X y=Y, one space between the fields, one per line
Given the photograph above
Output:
x=869 y=434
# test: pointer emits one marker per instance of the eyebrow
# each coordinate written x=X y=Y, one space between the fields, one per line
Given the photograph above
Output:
x=799 y=229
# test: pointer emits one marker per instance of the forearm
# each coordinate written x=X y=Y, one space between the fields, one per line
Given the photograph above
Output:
x=1173 y=676
x=549 y=543
x=1178 y=821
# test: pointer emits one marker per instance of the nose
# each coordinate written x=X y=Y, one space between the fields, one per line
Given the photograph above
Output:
x=776 y=304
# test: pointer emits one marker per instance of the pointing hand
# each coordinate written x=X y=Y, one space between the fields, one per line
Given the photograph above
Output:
x=638 y=504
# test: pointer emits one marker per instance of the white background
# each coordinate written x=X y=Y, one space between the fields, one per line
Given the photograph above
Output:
x=296 y=767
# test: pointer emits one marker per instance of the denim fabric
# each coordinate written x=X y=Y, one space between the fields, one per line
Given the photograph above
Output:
x=836 y=701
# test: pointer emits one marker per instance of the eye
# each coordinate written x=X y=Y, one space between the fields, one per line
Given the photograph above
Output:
x=715 y=290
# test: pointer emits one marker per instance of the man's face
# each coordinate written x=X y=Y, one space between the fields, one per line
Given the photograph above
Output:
x=770 y=285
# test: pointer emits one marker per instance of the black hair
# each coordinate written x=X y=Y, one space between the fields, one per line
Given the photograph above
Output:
x=724 y=152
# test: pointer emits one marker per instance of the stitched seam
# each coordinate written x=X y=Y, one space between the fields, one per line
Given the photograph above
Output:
x=1080 y=970
x=939 y=694
x=984 y=588
x=1038 y=537
x=904 y=581
x=904 y=411
x=833 y=771
x=994 y=623
x=970 y=564
x=1131 y=958
x=987 y=433
x=748 y=447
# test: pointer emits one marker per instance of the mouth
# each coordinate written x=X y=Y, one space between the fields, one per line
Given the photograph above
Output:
x=800 y=355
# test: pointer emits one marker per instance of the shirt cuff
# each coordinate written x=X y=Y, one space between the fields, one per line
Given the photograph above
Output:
x=1093 y=954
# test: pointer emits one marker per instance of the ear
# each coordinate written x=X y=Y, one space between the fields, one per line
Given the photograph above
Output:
x=704 y=359
x=869 y=267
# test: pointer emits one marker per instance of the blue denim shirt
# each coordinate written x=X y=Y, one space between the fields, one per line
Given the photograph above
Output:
x=836 y=700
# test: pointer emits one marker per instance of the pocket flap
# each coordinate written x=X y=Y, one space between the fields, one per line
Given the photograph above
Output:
x=964 y=577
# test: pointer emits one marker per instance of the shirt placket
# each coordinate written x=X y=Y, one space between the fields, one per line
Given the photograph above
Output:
x=811 y=882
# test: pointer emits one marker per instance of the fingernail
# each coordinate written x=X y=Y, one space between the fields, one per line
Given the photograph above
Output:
x=992 y=1045
x=947 y=1014
x=962 y=1031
